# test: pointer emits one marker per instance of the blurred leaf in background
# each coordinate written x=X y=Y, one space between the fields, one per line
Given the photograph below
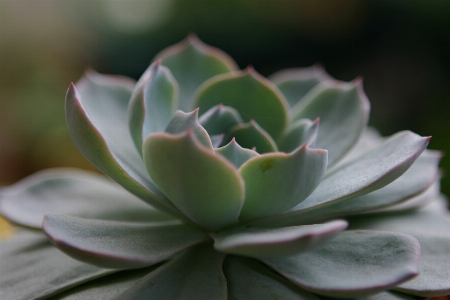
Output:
x=401 y=49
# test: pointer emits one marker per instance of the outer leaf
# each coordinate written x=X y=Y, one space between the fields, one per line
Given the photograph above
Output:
x=276 y=182
x=219 y=119
x=295 y=83
x=97 y=119
x=152 y=104
x=106 y=287
x=430 y=227
x=249 y=279
x=31 y=268
x=235 y=153
x=353 y=264
x=182 y=121
x=414 y=181
x=203 y=185
x=192 y=62
x=343 y=110
x=300 y=132
x=253 y=96
x=387 y=296
x=74 y=193
x=251 y=135
x=194 y=274
x=283 y=241
x=119 y=245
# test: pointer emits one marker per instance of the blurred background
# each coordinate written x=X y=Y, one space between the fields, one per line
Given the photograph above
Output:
x=400 y=48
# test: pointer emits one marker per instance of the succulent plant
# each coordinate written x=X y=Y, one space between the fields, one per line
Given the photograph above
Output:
x=230 y=186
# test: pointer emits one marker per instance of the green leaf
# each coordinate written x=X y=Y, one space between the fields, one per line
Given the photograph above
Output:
x=182 y=121
x=192 y=62
x=300 y=132
x=276 y=182
x=216 y=140
x=219 y=119
x=152 y=104
x=389 y=295
x=343 y=110
x=74 y=193
x=431 y=228
x=251 y=135
x=253 y=96
x=371 y=171
x=119 y=245
x=194 y=274
x=353 y=264
x=249 y=279
x=419 y=177
x=203 y=185
x=32 y=268
x=283 y=241
x=106 y=287
x=96 y=114
x=295 y=83
x=235 y=153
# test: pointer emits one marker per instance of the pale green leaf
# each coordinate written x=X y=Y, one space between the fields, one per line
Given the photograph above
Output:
x=353 y=264
x=75 y=193
x=119 y=245
x=152 y=104
x=203 y=185
x=253 y=96
x=191 y=63
x=235 y=154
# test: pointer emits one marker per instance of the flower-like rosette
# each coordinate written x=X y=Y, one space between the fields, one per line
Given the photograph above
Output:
x=233 y=182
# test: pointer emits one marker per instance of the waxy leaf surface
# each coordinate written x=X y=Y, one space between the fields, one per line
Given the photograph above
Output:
x=119 y=245
x=32 y=268
x=295 y=83
x=96 y=113
x=219 y=119
x=74 y=193
x=249 y=279
x=251 y=135
x=194 y=274
x=152 y=104
x=343 y=110
x=253 y=96
x=191 y=63
x=300 y=132
x=203 y=185
x=276 y=182
x=235 y=154
x=355 y=263
x=283 y=241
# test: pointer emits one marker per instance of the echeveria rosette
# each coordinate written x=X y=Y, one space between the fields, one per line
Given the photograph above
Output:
x=236 y=187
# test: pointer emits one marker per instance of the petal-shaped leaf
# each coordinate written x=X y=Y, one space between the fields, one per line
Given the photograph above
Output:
x=203 y=185
x=431 y=228
x=300 y=132
x=106 y=287
x=32 y=268
x=355 y=263
x=219 y=119
x=216 y=140
x=276 y=182
x=182 y=121
x=194 y=274
x=119 y=245
x=419 y=177
x=253 y=96
x=192 y=62
x=96 y=114
x=153 y=102
x=251 y=135
x=75 y=193
x=283 y=241
x=370 y=172
x=249 y=279
x=343 y=110
x=235 y=154
x=295 y=83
